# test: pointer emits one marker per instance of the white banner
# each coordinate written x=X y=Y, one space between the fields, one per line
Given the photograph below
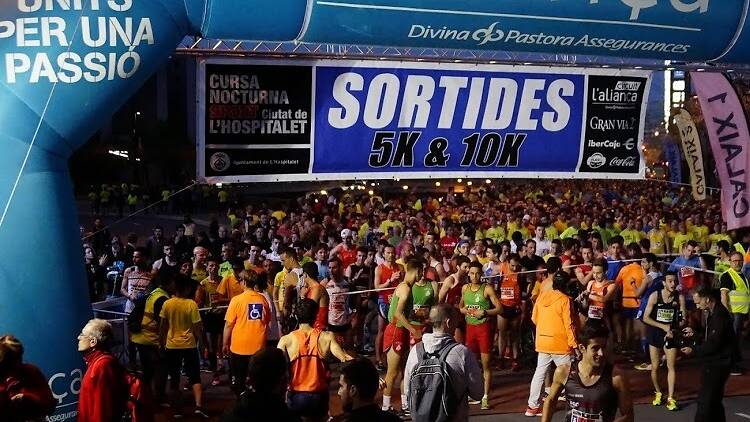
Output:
x=691 y=149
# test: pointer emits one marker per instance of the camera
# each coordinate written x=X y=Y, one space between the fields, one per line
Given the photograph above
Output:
x=679 y=340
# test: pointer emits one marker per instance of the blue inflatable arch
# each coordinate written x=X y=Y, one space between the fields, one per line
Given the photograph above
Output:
x=69 y=64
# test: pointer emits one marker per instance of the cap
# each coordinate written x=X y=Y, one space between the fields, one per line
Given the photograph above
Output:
x=346 y=233
x=527 y=217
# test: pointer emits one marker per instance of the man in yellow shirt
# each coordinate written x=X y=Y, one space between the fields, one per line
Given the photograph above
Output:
x=659 y=240
x=630 y=234
x=700 y=232
x=496 y=232
x=180 y=331
x=681 y=237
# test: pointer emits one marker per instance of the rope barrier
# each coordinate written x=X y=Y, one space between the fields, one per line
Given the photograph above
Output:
x=141 y=210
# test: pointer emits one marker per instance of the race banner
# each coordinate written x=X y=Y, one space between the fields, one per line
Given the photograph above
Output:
x=691 y=148
x=673 y=157
x=728 y=133
x=347 y=120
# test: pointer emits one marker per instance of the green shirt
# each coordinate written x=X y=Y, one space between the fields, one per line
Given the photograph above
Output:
x=423 y=297
x=476 y=300
x=225 y=268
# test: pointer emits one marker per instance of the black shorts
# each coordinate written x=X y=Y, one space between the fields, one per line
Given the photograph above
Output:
x=655 y=337
x=510 y=313
x=183 y=359
x=339 y=329
x=213 y=322
x=308 y=405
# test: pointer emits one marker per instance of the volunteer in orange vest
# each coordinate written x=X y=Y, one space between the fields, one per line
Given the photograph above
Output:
x=631 y=279
x=245 y=328
x=307 y=348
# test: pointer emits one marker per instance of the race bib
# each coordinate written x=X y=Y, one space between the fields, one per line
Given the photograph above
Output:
x=578 y=416
x=507 y=293
x=596 y=312
x=665 y=315
x=255 y=312
x=421 y=312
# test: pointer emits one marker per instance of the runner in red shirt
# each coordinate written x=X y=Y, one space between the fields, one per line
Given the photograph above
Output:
x=387 y=276
x=510 y=317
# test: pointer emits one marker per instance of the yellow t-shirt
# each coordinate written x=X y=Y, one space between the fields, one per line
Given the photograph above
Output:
x=551 y=233
x=679 y=240
x=250 y=314
x=497 y=234
x=278 y=282
x=279 y=215
x=700 y=233
x=630 y=236
x=181 y=314
x=658 y=241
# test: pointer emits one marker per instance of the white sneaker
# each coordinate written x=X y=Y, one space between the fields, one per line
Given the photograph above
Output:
x=474 y=402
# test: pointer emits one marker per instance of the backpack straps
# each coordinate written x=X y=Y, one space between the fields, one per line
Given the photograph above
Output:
x=421 y=354
x=443 y=353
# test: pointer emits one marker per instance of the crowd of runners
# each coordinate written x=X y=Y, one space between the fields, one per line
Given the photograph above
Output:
x=569 y=272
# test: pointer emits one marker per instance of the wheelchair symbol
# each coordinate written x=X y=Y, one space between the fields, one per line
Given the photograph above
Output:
x=255 y=312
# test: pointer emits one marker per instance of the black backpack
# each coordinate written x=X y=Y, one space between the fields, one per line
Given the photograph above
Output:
x=431 y=397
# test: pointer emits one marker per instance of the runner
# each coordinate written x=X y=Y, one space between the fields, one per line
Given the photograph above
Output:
x=213 y=319
x=307 y=348
x=450 y=291
x=632 y=280
x=340 y=308
x=595 y=391
x=663 y=319
x=400 y=332
x=479 y=301
x=601 y=292
x=312 y=289
x=509 y=321
x=387 y=276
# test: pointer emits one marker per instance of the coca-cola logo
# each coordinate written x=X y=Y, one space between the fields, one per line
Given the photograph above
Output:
x=622 y=162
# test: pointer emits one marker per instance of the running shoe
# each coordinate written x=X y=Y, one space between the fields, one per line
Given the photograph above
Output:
x=657 y=399
x=381 y=367
x=643 y=367
x=200 y=413
x=216 y=381
x=485 y=404
x=671 y=404
x=533 y=411
x=405 y=413
x=736 y=372
x=474 y=402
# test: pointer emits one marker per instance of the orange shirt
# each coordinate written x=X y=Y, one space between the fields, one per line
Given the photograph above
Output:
x=250 y=314
x=510 y=292
x=630 y=278
x=230 y=287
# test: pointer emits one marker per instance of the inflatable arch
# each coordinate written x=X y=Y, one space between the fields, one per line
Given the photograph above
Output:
x=69 y=64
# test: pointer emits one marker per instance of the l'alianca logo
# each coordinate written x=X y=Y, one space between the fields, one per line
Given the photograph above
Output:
x=219 y=161
x=596 y=160
x=483 y=35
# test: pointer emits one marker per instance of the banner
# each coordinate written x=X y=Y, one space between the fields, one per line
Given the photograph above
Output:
x=673 y=157
x=334 y=120
x=676 y=29
x=727 y=131
x=691 y=148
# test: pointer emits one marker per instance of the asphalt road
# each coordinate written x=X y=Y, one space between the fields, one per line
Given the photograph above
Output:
x=737 y=409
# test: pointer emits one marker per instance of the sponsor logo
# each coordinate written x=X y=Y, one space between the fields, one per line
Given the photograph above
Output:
x=622 y=162
x=629 y=144
x=628 y=86
x=595 y=161
x=219 y=161
x=482 y=35
x=609 y=143
x=597 y=123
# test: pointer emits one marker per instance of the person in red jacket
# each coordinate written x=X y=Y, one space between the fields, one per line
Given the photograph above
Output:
x=24 y=393
x=104 y=391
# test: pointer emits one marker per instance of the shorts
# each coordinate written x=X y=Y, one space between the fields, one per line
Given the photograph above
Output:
x=383 y=308
x=308 y=405
x=396 y=338
x=213 y=322
x=655 y=337
x=339 y=329
x=510 y=313
x=479 y=338
x=186 y=359
x=629 y=313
